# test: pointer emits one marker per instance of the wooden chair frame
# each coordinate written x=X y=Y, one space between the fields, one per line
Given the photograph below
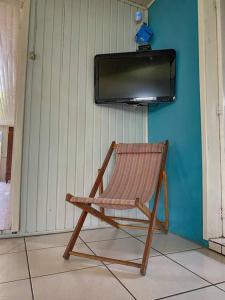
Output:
x=152 y=221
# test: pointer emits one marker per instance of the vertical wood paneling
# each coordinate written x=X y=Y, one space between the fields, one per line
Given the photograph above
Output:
x=97 y=110
x=35 y=113
x=66 y=135
x=4 y=145
x=82 y=81
x=54 y=115
x=89 y=109
x=105 y=110
x=44 y=133
x=26 y=131
x=73 y=112
x=63 y=114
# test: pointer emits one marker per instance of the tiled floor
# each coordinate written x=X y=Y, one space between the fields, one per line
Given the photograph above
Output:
x=5 y=223
x=33 y=268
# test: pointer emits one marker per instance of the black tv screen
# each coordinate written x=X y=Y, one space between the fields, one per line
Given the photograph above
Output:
x=135 y=77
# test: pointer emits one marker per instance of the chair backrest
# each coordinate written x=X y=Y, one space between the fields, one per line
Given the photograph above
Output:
x=136 y=171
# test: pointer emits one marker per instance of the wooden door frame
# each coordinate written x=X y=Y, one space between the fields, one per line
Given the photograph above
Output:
x=19 y=116
x=220 y=6
x=211 y=115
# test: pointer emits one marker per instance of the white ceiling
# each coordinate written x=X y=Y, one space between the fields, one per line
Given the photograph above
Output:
x=144 y=3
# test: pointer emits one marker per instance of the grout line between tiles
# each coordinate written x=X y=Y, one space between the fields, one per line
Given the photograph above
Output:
x=216 y=285
x=122 y=238
x=12 y=252
x=193 y=249
x=161 y=254
x=51 y=247
x=106 y=265
x=10 y=281
x=119 y=281
x=166 y=255
x=221 y=282
x=72 y=270
x=111 y=272
x=137 y=238
x=68 y=271
x=82 y=241
x=175 y=252
x=186 y=292
x=28 y=266
x=211 y=283
x=201 y=288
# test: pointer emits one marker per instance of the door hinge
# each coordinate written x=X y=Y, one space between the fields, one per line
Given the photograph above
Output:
x=219 y=110
x=21 y=4
x=222 y=213
x=32 y=55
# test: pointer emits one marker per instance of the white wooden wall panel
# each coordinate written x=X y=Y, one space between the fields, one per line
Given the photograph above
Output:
x=9 y=25
x=4 y=145
x=66 y=135
x=209 y=90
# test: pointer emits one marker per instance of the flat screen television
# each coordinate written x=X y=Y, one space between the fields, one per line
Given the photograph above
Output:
x=135 y=77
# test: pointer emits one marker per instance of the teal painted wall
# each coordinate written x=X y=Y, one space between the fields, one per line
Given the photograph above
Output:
x=175 y=25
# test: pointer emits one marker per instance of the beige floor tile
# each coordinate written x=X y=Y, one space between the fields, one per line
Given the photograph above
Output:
x=163 y=278
x=127 y=248
x=203 y=262
x=11 y=245
x=48 y=240
x=93 y=283
x=13 y=267
x=102 y=234
x=50 y=261
x=169 y=243
x=209 y=293
x=17 y=290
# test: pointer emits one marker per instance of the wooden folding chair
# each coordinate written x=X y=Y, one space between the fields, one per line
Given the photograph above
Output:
x=138 y=176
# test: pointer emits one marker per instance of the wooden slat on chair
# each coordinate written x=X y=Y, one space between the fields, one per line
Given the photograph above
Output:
x=107 y=259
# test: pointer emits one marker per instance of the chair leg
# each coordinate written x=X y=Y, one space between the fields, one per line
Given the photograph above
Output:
x=166 y=201
x=75 y=235
x=148 y=244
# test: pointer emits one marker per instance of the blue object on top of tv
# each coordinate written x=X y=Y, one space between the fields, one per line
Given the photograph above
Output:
x=144 y=35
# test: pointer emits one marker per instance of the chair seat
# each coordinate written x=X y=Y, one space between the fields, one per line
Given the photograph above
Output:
x=103 y=202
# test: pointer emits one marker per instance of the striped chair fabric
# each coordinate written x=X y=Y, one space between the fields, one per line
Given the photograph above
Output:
x=135 y=176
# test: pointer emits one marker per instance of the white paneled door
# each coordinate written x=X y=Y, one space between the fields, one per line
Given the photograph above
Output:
x=220 y=7
x=14 y=21
x=212 y=87
x=66 y=135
